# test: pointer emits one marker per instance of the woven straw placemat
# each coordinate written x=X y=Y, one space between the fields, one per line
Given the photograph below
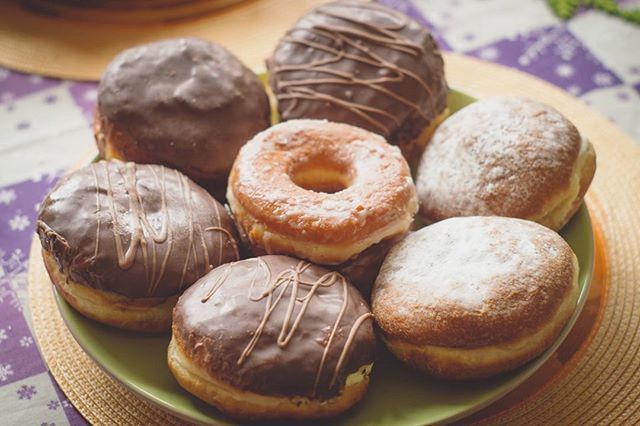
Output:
x=593 y=378
x=80 y=47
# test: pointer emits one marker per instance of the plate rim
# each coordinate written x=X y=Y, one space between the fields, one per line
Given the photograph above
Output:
x=532 y=368
x=148 y=397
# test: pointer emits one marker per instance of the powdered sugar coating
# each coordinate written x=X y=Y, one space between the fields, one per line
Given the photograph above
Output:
x=503 y=156
x=380 y=191
x=471 y=281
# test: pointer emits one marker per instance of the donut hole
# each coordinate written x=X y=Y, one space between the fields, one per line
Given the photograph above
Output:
x=321 y=175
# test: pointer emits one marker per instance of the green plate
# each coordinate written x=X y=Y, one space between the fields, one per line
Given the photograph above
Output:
x=396 y=396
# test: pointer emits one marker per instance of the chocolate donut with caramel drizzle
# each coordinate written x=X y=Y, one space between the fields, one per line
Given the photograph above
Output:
x=119 y=235
x=285 y=334
x=364 y=65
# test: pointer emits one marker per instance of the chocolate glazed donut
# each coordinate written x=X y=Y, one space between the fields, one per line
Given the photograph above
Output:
x=362 y=64
x=273 y=337
x=121 y=241
x=184 y=103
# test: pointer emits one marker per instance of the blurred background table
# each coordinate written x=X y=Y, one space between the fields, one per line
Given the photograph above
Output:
x=45 y=128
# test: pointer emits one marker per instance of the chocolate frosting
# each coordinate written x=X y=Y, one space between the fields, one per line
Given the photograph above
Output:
x=137 y=230
x=363 y=268
x=186 y=103
x=361 y=64
x=276 y=325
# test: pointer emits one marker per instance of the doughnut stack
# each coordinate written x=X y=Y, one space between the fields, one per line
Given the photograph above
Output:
x=277 y=256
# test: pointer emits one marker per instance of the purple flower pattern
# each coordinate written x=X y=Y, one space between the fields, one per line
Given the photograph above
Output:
x=26 y=392
x=554 y=54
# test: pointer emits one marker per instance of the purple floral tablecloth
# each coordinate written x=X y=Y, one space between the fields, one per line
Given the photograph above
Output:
x=45 y=128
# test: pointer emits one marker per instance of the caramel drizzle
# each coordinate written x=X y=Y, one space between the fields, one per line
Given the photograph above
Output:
x=186 y=196
x=50 y=235
x=352 y=334
x=143 y=236
x=97 y=213
x=274 y=294
x=232 y=241
x=166 y=232
x=340 y=36
x=218 y=282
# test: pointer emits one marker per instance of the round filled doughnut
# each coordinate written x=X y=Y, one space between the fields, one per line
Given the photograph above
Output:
x=362 y=64
x=179 y=103
x=473 y=297
x=121 y=241
x=320 y=191
x=273 y=338
x=505 y=156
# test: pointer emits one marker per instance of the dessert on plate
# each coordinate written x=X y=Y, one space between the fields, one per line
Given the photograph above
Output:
x=325 y=201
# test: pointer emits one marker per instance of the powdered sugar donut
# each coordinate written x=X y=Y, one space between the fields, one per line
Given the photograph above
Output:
x=505 y=156
x=320 y=191
x=471 y=297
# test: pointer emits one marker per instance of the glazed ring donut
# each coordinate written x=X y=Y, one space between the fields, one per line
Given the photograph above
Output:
x=320 y=191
